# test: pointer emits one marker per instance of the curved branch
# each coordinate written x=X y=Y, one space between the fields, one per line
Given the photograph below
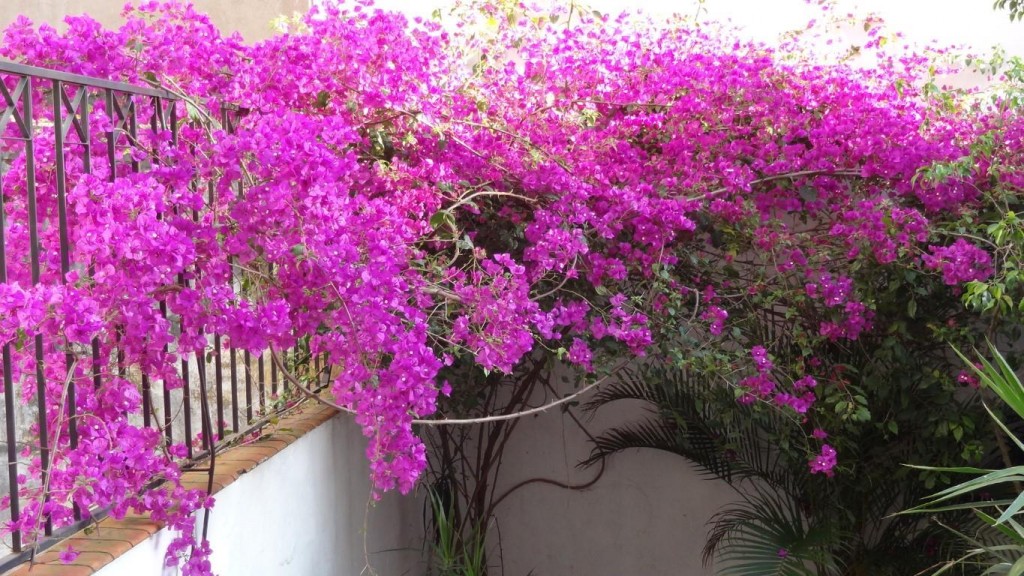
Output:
x=451 y=421
x=551 y=481
x=846 y=173
x=470 y=197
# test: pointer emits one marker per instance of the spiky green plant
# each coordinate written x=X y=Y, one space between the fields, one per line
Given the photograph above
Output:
x=995 y=545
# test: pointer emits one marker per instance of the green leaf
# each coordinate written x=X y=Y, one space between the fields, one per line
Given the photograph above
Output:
x=1018 y=568
x=1015 y=507
x=443 y=220
x=194 y=113
x=323 y=97
x=1011 y=529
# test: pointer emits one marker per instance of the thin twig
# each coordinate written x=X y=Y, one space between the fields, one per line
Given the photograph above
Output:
x=492 y=193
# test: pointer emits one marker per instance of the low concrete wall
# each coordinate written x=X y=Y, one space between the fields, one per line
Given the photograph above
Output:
x=307 y=512
x=304 y=512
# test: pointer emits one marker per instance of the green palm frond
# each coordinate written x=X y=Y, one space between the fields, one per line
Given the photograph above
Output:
x=655 y=433
x=998 y=376
x=631 y=386
x=684 y=424
x=767 y=534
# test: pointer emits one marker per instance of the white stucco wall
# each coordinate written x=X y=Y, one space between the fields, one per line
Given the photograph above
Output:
x=645 y=516
x=302 y=513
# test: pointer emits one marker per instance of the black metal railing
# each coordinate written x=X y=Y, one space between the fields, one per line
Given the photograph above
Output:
x=137 y=119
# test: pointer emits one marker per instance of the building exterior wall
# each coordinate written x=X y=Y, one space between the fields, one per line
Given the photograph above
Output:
x=647 y=514
x=251 y=18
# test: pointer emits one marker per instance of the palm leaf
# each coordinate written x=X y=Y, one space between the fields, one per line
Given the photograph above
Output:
x=766 y=534
x=655 y=433
x=630 y=387
x=997 y=376
x=682 y=424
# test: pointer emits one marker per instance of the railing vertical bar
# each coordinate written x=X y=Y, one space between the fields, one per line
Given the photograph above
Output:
x=62 y=232
x=261 y=382
x=200 y=356
x=9 y=413
x=204 y=408
x=230 y=126
x=97 y=379
x=273 y=379
x=33 y=233
x=147 y=400
x=158 y=121
x=284 y=362
x=205 y=426
x=12 y=441
x=118 y=337
x=65 y=245
x=111 y=112
x=86 y=137
x=218 y=370
x=168 y=418
x=247 y=359
x=174 y=123
x=133 y=130
x=203 y=389
x=234 y=388
x=218 y=378
x=186 y=403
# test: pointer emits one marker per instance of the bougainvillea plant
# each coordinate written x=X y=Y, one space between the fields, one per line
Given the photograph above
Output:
x=403 y=196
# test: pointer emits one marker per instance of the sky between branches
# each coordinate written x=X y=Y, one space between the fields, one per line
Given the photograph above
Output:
x=970 y=23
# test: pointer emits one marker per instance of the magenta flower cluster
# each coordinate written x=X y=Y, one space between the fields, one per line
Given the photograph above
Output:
x=824 y=462
x=960 y=262
x=399 y=196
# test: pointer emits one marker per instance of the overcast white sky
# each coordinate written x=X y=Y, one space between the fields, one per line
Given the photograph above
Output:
x=971 y=23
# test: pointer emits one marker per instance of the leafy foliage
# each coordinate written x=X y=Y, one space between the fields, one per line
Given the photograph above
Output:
x=1016 y=8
